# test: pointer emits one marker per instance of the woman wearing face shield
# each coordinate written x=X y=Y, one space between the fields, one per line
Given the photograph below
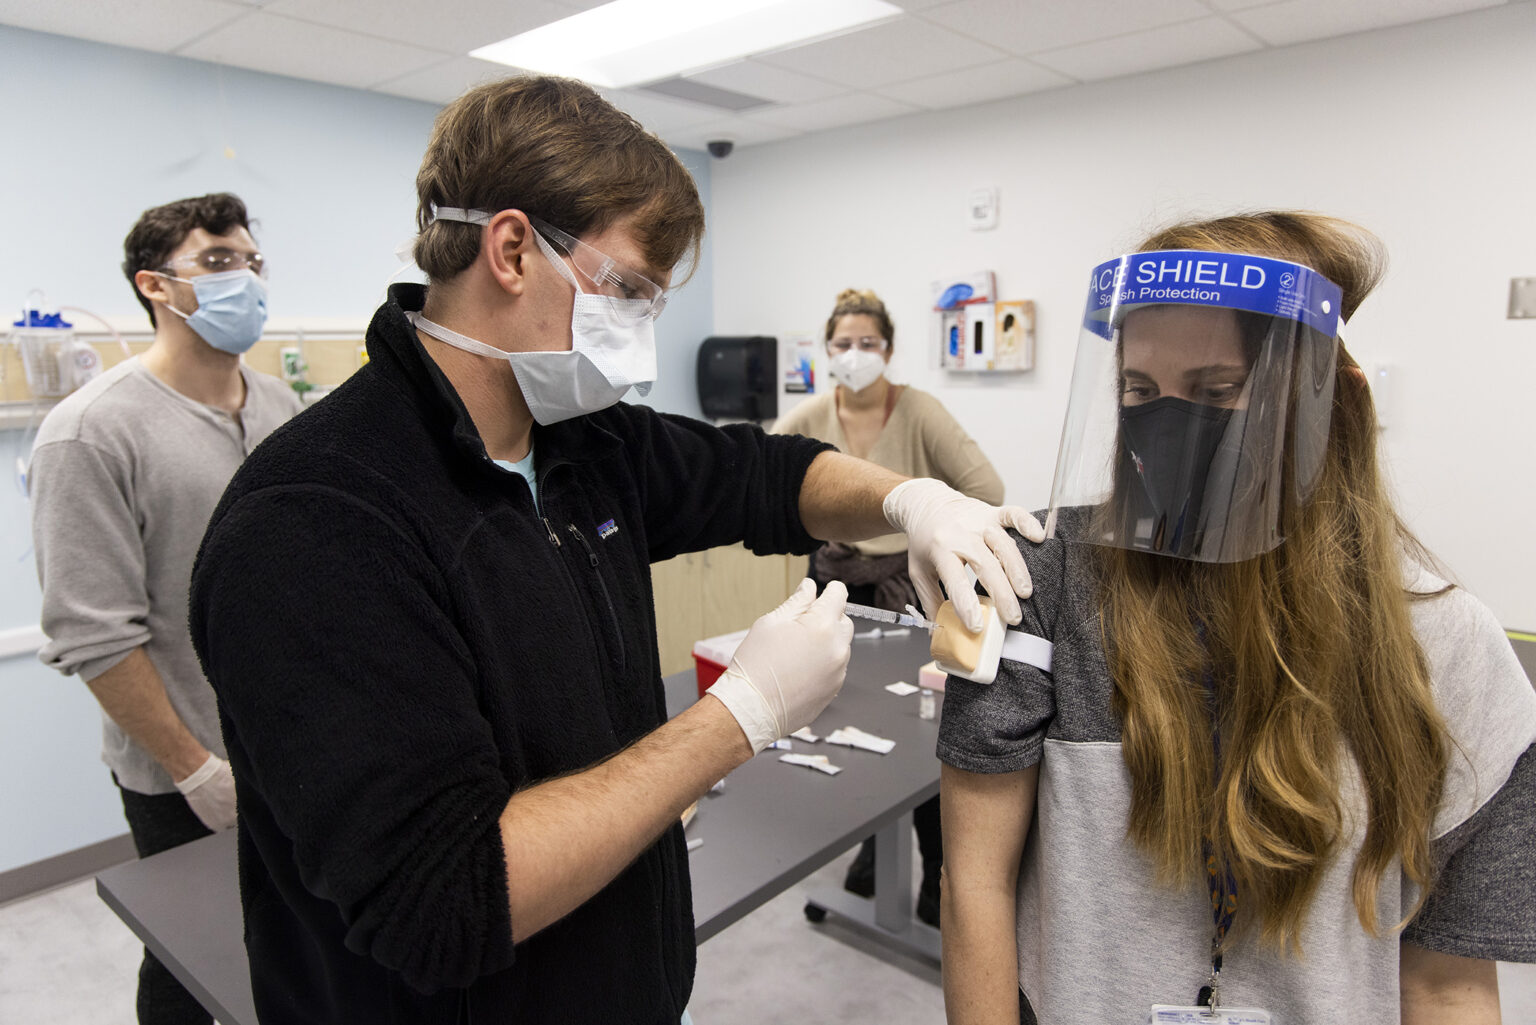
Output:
x=1281 y=770
x=909 y=431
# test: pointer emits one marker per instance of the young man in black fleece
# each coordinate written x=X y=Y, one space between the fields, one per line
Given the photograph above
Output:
x=426 y=609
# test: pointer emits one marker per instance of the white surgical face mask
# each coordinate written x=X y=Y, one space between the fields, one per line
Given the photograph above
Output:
x=857 y=369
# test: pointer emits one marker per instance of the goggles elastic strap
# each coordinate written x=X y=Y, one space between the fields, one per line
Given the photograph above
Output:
x=459 y=213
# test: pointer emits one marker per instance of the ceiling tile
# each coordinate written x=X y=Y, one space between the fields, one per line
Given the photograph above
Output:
x=1166 y=47
x=854 y=108
x=919 y=5
x=1296 y=21
x=659 y=114
x=1011 y=77
x=160 y=25
x=282 y=46
x=758 y=79
x=1024 y=27
x=442 y=83
x=457 y=27
x=737 y=129
x=890 y=52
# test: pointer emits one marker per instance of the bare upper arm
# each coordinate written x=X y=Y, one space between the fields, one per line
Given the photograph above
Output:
x=985 y=820
x=1439 y=988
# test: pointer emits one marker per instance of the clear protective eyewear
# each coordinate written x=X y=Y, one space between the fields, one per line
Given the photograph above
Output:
x=633 y=296
x=217 y=260
x=1200 y=405
x=868 y=343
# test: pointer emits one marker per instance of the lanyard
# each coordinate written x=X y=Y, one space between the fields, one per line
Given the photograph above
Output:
x=1219 y=878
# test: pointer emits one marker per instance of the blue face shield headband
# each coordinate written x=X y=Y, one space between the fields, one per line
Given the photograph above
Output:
x=1200 y=403
x=1275 y=288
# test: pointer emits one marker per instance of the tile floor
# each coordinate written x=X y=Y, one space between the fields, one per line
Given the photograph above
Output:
x=65 y=959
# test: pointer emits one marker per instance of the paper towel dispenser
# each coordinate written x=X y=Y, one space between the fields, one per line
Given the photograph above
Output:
x=738 y=378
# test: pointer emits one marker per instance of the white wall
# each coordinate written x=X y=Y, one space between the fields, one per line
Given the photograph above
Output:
x=100 y=133
x=1422 y=134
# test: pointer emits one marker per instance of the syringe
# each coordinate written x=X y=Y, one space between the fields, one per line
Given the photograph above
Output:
x=911 y=617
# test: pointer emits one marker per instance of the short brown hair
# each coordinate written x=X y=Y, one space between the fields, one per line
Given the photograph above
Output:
x=554 y=149
x=852 y=301
x=160 y=229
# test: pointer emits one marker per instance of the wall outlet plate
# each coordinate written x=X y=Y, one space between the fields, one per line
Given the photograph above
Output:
x=981 y=209
x=1522 y=298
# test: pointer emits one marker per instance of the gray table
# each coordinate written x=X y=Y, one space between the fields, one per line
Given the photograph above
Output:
x=772 y=825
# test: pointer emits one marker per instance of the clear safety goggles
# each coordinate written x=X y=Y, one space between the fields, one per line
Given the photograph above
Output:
x=633 y=297
x=217 y=260
x=868 y=343
x=636 y=296
x=1200 y=404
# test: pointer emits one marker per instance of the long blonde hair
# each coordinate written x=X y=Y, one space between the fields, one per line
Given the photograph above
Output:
x=1310 y=648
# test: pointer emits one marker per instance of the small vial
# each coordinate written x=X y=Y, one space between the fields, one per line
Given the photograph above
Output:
x=927 y=707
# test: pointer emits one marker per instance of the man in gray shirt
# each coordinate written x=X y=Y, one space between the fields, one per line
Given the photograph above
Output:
x=124 y=477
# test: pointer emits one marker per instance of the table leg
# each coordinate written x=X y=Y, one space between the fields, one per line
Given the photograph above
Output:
x=889 y=916
x=893 y=875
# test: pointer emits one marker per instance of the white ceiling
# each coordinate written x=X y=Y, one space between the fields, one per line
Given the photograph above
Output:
x=940 y=53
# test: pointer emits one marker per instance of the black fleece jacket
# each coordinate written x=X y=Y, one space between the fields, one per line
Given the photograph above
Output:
x=398 y=641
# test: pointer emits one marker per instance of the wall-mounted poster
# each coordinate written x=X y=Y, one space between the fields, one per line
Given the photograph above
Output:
x=799 y=365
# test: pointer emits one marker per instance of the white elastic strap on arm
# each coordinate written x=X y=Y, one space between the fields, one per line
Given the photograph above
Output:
x=1028 y=648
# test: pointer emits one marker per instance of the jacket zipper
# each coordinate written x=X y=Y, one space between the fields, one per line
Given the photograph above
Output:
x=613 y=616
x=570 y=578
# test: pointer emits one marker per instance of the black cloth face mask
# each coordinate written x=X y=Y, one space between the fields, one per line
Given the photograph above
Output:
x=1169 y=446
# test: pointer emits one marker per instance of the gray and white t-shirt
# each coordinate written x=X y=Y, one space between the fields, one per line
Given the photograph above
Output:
x=1099 y=940
x=125 y=474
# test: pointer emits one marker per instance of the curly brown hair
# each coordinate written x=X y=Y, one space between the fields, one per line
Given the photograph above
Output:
x=160 y=229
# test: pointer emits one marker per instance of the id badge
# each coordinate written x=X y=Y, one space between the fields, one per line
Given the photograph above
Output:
x=1168 y=1014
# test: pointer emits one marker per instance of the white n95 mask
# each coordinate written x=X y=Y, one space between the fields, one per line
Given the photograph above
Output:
x=857 y=369
x=614 y=337
x=556 y=385
x=613 y=345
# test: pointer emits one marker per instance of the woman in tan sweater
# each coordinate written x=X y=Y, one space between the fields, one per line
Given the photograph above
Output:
x=901 y=429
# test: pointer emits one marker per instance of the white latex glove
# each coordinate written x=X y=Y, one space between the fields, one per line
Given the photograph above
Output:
x=210 y=790
x=790 y=665
x=946 y=532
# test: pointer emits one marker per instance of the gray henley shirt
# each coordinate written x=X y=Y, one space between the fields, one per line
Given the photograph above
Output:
x=125 y=475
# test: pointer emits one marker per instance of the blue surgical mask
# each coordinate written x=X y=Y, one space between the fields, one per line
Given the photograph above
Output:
x=231 y=309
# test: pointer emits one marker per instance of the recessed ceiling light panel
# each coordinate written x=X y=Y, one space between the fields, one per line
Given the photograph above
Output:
x=630 y=42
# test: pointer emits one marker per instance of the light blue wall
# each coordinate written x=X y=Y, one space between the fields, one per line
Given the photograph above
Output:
x=688 y=319
x=98 y=134
x=328 y=172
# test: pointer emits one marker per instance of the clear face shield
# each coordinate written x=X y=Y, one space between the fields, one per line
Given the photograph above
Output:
x=1200 y=403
